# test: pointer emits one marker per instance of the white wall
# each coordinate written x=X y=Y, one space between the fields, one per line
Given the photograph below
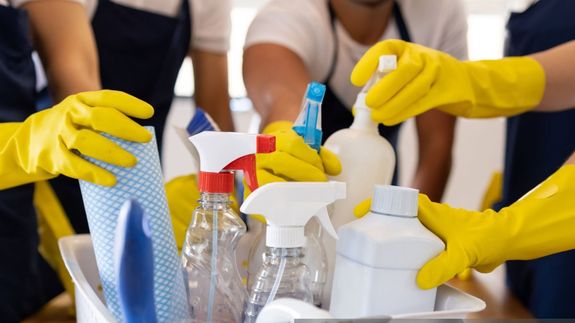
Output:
x=478 y=148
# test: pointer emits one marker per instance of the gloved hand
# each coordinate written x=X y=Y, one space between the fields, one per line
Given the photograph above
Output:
x=44 y=145
x=426 y=79
x=183 y=195
x=539 y=224
x=293 y=159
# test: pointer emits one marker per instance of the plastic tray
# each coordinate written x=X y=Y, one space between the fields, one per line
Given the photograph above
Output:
x=81 y=263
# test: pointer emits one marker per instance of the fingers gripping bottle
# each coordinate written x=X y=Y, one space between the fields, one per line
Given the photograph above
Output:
x=287 y=207
x=366 y=158
x=214 y=286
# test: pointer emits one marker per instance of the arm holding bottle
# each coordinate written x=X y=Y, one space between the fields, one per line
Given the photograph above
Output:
x=428 y=79
x=277 y=97
x=539 y=224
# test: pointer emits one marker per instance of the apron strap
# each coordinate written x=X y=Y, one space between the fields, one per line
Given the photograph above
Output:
x=332 y=18
x=399 y=21
x=175 y=41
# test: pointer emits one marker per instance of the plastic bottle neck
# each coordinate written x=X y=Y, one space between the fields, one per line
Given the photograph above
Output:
x=274 y=255
x=362 y=120
x=215 y=200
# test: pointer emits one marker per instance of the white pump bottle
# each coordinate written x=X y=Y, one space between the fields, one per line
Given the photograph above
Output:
x=366 y=158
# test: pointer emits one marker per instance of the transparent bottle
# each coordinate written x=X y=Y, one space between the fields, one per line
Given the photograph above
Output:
x=283 y=274
x=214 y=286
x=315 y=259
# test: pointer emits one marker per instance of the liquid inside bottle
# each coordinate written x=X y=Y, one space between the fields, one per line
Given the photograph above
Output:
x=315 y=259
x=214 y=287
x=282 y=274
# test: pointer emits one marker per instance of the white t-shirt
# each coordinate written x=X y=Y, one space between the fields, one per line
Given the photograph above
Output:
x=211 y=22
x=304 y=27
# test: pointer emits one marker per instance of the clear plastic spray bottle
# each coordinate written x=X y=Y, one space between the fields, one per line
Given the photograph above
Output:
x=214 y=287
x=307 y=126
x=287 y=208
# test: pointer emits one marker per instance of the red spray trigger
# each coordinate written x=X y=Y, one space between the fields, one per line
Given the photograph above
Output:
x=266 y=144
x=247 y=163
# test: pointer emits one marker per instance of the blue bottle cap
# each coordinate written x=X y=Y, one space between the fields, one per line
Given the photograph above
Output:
x=315 y=91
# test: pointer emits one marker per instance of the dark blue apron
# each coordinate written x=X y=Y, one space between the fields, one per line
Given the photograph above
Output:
x=22 y=271
x=537 y=144
x=140 y=53
x=335 y=115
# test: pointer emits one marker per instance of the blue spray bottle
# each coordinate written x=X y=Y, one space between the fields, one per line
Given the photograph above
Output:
x=307 y=126
x=308 y=123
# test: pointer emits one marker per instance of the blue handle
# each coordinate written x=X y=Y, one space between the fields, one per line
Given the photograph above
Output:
x=134 y=264
x=308 y=123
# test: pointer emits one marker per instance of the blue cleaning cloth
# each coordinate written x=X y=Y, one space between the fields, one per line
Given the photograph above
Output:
x=144 y=183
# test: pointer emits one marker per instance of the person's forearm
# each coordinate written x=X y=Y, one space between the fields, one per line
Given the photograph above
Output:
x=62 y=34
x=432 y=174
x=559 y=66
x=278 y=104
x=211 y=86
x=275 y=79
x=435 y=133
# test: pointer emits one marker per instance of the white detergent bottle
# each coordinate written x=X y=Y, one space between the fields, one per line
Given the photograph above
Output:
x=378 y=257
x=287 y=207
x=366 y=159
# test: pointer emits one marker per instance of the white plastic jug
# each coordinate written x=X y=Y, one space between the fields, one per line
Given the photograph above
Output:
x=378 y=257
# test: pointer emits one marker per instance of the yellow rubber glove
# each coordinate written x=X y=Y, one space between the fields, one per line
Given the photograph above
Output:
x=426 y=79
x=362 y=208
x=293 y=159
x=44 y=145
x=539 y=224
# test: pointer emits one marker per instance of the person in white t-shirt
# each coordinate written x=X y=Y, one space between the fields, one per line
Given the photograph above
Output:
x=136 y=46
x=291 y=43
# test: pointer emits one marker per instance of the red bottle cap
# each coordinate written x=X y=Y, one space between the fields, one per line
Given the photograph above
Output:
x=216 y=182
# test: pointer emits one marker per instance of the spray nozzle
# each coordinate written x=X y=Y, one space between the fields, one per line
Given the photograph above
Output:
x=221 y=153
x=288 y=206
x=386 y=64
x=308 y=123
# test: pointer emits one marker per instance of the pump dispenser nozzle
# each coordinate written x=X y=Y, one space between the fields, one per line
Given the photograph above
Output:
x=288 y=206
x=223 y=152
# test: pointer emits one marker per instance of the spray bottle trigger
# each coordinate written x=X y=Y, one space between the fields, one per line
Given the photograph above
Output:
x=323 y=218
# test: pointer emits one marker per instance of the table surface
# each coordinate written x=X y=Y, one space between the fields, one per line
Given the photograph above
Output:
x=489 y=287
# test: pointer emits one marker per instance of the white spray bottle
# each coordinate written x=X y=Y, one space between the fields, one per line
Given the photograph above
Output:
x=287 y=207
x=366 y=159
x=214 y=286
